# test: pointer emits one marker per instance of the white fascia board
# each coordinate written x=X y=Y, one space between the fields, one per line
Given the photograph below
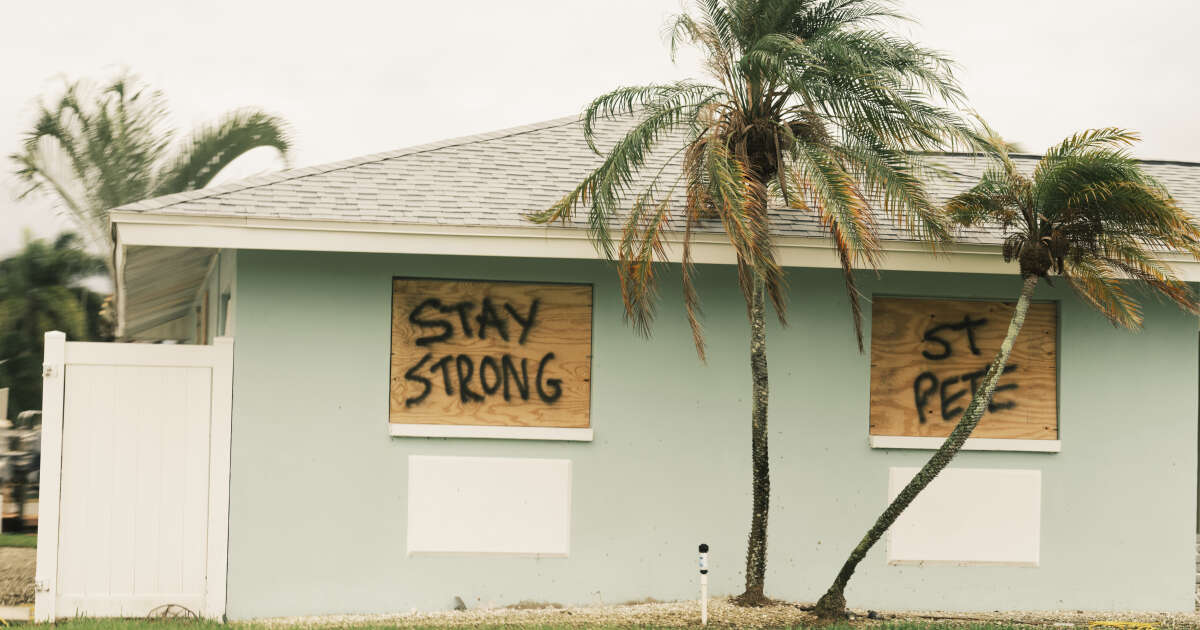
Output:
x=521 y=242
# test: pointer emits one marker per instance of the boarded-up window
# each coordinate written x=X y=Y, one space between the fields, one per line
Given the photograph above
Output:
x=491 y=353
x=929 y=356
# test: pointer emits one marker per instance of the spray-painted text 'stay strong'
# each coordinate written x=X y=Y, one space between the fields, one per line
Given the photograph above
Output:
x=504 y=374
x=954 y=389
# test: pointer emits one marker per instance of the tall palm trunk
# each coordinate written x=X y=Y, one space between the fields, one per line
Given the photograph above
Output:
x=756 y=547
x=833 y=603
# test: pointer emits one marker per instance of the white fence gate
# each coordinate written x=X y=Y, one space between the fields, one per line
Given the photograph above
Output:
x=134 y=478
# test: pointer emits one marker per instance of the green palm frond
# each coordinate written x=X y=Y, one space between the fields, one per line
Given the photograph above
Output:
x=996 y=199
x=691 y=298
x=1086 y=143
x=818 y=18
x=713 y=32
x=812 y=102
x=672 y=99
x=893 y=180
x=1134 y=262
x=40 y=290
x=1090 y=213
x=642 y=246
x=59 y=309
x=213 y=147
x=844 y=214
x=94 y=148
x=1098 y=285
x=605 y=187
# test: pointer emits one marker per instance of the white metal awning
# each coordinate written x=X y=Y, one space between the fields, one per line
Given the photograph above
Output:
x=157 y=287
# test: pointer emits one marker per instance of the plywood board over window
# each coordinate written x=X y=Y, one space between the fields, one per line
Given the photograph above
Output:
x=491 y=354
x=929 y=356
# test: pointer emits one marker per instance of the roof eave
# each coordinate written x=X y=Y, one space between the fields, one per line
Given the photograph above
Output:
x=134 y=229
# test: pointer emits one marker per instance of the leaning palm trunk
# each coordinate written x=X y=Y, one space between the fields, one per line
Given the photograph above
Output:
x=833 y=603
x=756 y=548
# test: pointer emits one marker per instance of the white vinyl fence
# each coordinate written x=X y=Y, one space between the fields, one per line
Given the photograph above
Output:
x=134 y=478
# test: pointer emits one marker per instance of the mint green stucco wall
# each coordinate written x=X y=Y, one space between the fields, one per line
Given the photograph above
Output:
x=318 y=509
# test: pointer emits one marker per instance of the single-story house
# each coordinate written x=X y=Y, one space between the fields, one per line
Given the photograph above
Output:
x=409 y=393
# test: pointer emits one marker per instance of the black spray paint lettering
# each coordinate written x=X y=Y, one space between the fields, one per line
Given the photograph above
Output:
x=555 y=383
x=413 y=374
x=492 y=377
x=506 y=376
x=967 y=324
x=953 y=391
x=927 y=384
x=430 y=315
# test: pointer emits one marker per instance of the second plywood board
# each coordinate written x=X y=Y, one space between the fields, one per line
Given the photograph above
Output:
x=928 y=357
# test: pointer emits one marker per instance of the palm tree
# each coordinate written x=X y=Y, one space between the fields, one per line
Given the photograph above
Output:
x=40 y=291
x=813 y=109
x=1087 y=213
x=93 y=150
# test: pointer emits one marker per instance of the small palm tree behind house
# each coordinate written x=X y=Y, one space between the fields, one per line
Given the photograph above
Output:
x=1089 y=214
x=40 y=290
x=96 y=149
x=813 y=109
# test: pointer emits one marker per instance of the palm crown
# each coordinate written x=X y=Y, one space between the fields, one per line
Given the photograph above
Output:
x=814 y=109
x=40 y=291
x=1088 y=213
x=94 y=150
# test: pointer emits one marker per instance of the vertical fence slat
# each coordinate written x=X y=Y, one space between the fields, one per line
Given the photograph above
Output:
x=53 y=380
x=218 y=493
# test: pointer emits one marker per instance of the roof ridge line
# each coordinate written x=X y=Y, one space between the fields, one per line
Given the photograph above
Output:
x=330 y=167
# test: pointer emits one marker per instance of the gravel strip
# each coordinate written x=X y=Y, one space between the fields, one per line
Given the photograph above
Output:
x=722 y=614
x=667 y=614
x=16 y=575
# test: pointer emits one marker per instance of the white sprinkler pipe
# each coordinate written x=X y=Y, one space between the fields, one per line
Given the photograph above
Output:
x=703 y=584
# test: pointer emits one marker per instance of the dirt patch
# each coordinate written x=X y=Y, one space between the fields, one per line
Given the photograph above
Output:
x=16 y=575
x=722 y=613
x=528 y=604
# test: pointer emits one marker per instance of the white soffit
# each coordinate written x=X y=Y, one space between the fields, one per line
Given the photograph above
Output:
x=489 y=505
x=160 y=285
x=969 y=516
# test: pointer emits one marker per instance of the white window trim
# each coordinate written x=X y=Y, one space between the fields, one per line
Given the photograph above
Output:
x=972 y=444
x=489 y=432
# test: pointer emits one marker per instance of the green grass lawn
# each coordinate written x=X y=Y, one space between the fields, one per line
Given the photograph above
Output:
x=18 y=540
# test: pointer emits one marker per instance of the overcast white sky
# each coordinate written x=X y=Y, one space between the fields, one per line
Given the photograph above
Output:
x=360 y=77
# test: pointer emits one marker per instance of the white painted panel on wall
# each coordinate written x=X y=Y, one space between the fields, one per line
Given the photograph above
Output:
x=489 y=505
x=969 y=516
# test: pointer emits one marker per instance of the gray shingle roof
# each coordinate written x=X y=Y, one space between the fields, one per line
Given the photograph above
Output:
x=497 y=178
